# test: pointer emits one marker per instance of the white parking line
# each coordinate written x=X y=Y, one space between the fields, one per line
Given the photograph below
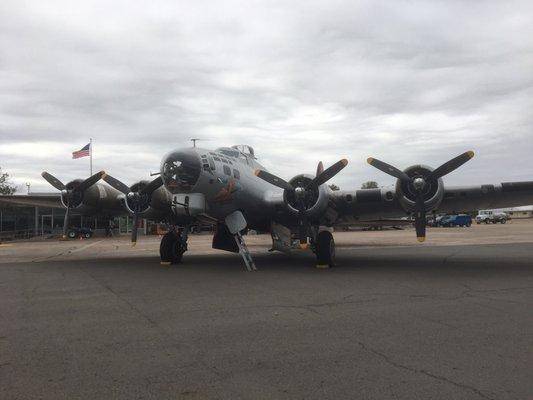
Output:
x=85 y=247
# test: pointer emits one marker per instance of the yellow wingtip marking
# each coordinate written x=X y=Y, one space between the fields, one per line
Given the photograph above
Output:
x=257 y=172
x=304 y=246
x=133 y=244
x=165 y=263
x=421 y=239
x=471 y=154
x=370 y=160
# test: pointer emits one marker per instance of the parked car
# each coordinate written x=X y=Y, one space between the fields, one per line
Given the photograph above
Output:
x=74 y=233
x=456 y=220
x=489 y=216
x=435 y=222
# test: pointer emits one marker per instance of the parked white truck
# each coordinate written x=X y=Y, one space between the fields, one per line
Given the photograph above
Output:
x=490 y=216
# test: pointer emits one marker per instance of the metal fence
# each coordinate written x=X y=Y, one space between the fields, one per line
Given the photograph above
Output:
x=6 y=236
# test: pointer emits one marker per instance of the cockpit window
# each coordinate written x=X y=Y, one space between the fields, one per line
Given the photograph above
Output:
x=229 y=152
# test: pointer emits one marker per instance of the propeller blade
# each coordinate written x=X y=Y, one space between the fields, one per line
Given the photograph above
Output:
x=302 y=231
x=152 y=186
x=134 y=229
x=87 y=183
x=329 y=173
x=320 y=168
x=115 y=183
x=65 y=223
x=52 y=180
x=452 y=165
x=420 y=217
x=302 y=223
x=273 y=179
x=388 y=169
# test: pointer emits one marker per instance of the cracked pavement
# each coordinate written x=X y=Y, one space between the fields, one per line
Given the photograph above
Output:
x=96 y=319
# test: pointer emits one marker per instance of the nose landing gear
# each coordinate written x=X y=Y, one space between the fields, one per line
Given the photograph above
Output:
x=173 y=245
x=324 y=248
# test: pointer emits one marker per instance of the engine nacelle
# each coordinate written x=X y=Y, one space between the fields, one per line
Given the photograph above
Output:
x=96 y=196
x=151 y=205
x=433 y=192
x=315 y=199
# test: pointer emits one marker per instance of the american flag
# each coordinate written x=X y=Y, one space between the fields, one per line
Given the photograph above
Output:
x=84 y=152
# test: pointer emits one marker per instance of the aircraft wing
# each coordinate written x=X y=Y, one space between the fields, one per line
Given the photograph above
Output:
x=504 y=195
x=378 y=204
x=49 y=200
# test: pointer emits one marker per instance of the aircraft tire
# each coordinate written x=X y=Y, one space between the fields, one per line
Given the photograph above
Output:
x=325 y=253
x=169 y=249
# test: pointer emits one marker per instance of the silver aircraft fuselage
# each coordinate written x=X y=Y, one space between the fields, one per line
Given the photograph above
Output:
x=227 y=180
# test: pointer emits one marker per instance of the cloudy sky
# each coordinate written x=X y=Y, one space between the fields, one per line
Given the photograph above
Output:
x=301 y=81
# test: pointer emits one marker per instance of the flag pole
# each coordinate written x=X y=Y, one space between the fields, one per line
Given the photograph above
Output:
x=91 y=156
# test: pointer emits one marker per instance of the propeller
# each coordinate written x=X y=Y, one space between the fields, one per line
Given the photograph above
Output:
x=301 y=192
x=419 y=184
x=137 y=200
x=71 y=196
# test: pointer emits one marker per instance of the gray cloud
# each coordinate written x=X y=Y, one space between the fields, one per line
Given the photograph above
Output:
x=405 y=81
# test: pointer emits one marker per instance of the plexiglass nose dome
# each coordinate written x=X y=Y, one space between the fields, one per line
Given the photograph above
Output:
x=181 y=170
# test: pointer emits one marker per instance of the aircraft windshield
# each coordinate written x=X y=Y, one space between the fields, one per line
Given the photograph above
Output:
x=229 y=152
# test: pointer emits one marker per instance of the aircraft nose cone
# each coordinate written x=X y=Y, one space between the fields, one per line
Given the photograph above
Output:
x=181 y=170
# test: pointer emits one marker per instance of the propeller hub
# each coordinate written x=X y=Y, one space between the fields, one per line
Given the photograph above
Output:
x=299 y=192
x=419 y=183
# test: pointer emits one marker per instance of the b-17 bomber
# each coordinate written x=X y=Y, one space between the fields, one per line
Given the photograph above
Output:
x=231 y=190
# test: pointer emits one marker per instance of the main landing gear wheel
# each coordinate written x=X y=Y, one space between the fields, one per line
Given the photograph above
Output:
x=325 y=250
x=171 y=248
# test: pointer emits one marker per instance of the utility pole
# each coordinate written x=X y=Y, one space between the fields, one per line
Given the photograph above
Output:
x=194 y=142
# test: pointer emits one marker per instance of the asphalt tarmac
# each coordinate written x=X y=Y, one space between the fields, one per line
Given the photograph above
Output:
x=96 y=320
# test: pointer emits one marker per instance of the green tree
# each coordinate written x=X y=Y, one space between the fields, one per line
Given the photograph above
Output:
x=5 y=186
x=369 y=185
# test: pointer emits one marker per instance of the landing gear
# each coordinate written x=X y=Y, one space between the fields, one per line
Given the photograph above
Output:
x=172 y=246
x=325 y=250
